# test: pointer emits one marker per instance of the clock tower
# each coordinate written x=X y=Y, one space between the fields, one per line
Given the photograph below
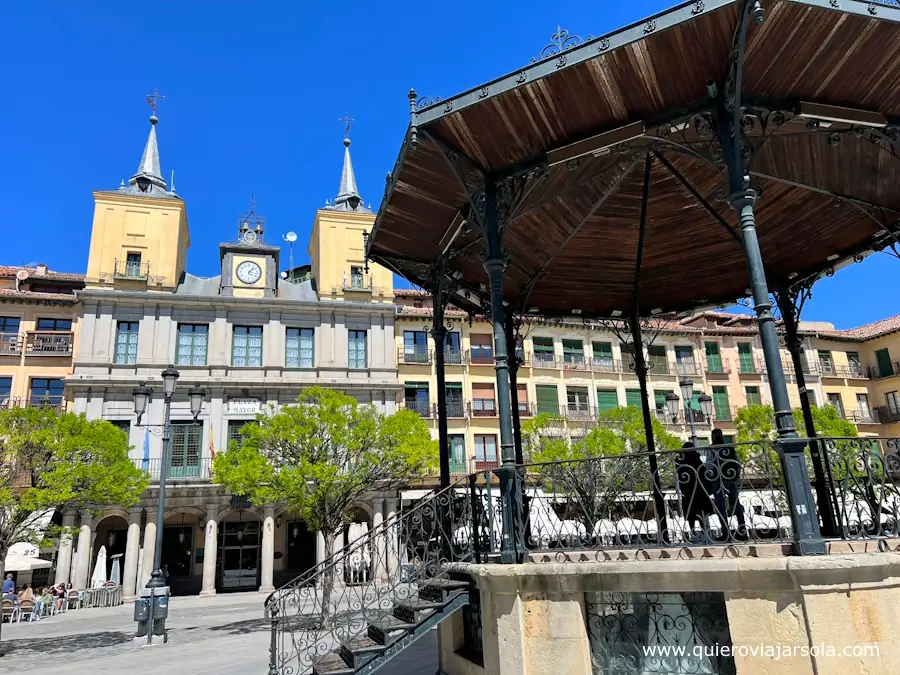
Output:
x=249 y=267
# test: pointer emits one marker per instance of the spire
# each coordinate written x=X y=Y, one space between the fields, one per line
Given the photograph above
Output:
x=148 y=179
x=348 y=198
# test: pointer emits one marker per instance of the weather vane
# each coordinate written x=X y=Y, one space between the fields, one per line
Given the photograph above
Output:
x=347 y=120
x=153 y=99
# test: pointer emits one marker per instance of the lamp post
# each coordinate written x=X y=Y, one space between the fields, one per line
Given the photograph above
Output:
x=687 y=394
x=142 y=396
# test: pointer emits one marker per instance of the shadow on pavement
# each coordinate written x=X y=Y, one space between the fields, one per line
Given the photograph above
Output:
x=243 y=627
x=59 y=644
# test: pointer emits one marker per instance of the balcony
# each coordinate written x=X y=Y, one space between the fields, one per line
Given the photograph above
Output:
x=45 y=401
x=455 y=409
x=191 y=469
x=483 y=407
x=526 y=409
x=687 y=367
x=480 y=357
x=414 y=354
x=853 y=371
x=543 y=360
x=486 y=463
x=727 y=414
x=750 y=367
x=720 y=367
x=357 y=283
x=660 y=367
x=862 y=416
x=10 y=344
x=131 y=269
x=809 y=369
x=49 y=343
x=8 y=403
x=573 y=362
x=605 y=364
x=578 y=412
x=421 y=407
x=454 y=357
x=885 y=415
x=875 y=372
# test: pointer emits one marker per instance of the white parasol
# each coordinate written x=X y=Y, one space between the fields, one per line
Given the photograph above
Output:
x=98 y=578
x=24 y=563
x=116 y=574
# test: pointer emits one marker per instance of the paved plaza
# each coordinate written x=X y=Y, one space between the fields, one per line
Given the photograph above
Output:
x=207 y=636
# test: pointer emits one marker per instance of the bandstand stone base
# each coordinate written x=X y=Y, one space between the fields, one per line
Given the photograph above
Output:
x=534 y=616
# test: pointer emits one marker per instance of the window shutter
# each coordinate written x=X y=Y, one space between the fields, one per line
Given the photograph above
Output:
x=607 y=399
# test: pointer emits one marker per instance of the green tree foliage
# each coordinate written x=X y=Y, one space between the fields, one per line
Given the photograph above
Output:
x=53 y=460
x=755 y=422
x=321 y=456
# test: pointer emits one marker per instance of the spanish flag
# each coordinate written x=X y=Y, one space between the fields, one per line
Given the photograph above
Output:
x=212 y=447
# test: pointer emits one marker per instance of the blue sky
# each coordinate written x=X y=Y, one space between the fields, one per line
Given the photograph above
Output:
x=253 y=94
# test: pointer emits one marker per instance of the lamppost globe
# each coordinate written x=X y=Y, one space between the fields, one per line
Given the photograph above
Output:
x=196 y=396
x=169 y=377
x=672 y=404
x=687 y=389
x=141 y=397
x=706 y=405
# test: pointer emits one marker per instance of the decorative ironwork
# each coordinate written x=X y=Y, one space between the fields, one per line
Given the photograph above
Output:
x=650 y=26
x=383 y=585
x=698 y=8
x=603 y=45
x=560 y=41
x=427 y=101
x=672 y=633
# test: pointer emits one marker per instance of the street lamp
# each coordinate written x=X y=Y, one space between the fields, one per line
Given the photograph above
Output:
x=672 y=404
x=142 y=396
x=706 y=406
x=687 y=394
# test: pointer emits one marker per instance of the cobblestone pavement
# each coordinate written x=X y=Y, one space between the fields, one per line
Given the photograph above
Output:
x=207 y=636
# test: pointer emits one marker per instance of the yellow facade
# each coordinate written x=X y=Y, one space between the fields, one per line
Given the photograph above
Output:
x=336 y=249
x=256 y=289
x=150 y=233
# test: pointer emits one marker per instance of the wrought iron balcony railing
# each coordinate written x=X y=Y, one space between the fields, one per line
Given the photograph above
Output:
x=687 y=367
x=604 y=364
x=659 y=367
x=544 y=360
x=418 y=406
x=719 y=367
x=852 y=371
x=45 y=401
x=573 y=362
x=359 y=283
x=414 y=354
x=877 y=372
x=862 y=416
x=197 y=468
x=748 y=367
x=526 y=409
x=10 y=402
x=578 y=412
x=480 y=357
x=49 y=343
x=454 y=357
x=131 y=269
x=455 y=409
x=483 y=407
x=10 y=344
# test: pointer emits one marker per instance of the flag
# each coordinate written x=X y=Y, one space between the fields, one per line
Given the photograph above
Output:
x=212 y=447
x=146 y=461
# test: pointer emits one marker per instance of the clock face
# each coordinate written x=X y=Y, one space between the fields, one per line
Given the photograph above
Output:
x=249 y=272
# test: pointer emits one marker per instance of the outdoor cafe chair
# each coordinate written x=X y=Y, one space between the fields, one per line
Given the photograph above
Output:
x=26 y=609
x=8 y=611
x=73 y=600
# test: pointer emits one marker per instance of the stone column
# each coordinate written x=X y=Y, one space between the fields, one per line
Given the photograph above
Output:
x=83 y=554
x=320 y=547
x=149 y=549
x=132 y=550
x=380 y=552
x=64 y=557
x=210 y=543
x=391 y=538
x=268 y=551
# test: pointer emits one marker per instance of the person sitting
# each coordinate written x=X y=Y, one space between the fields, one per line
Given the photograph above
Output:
x=26 y=594
x=59 y=596
x=695 y=502
x=42 y=603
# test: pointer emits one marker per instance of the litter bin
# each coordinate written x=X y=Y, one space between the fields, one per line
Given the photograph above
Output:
x=151 y=610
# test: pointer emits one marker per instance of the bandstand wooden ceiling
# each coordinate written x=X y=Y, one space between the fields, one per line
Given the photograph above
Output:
x=828 y=190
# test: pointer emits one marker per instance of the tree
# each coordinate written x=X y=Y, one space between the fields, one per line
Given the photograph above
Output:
x=755 y=422
x=53 y=460
x=321 y=456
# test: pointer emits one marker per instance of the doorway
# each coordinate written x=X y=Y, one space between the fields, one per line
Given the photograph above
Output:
x=239 y=556
x=301 y=548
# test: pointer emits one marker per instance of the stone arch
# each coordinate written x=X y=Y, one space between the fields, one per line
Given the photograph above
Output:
x=366 y=509
x=257 y=513
x=110 y=513
x=178 y=510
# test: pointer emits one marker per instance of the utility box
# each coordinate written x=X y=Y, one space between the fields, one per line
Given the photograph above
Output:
x=142 y=609
x=151 y=610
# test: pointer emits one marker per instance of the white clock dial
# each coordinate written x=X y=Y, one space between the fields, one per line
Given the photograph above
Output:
x=249 y=272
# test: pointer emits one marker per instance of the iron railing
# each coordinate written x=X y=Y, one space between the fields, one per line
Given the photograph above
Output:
x=49 y=343
x=603 y=364
x=720 y=367
x=10 y=402
x=414 y=354
x=483 y=407
x=544 y=360
x=190 y=468
x=418 y=406
x=852 y=371
x=573 y=362
x=131 y=269
x=56 y=402
x=454 y=357
x=862 y=416
x=10 y=344
x=687 y=367
x=357 y=282
x=751 y=367
x=480 y=357
x=659 y=367
x=876 y=372
x=456 y=409
x=329 y=609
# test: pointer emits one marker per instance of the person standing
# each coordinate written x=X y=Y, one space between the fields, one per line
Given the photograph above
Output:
x=727 y=493
x=9 y=586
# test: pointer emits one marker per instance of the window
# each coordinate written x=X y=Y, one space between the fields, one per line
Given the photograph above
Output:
x=752 y=395
x=234 y=430
x=811 y=395
x=862 y=403
x=834 y=400
x=9 y=324
x=482 y=351
x=416 y=398
x=452 y=350
x=415 y=346
x=745 y=358
x=298 y=348
x=457 y=454
x=122 y=425
x=483 y=404
x=893 y=402
x=547 y=399
x=5 y=393
x=246 y=346
x=720 y=404
x=9 y=335
x=713 y=358
x=659 y=401
x=573 y=352
x=522 y=393
x=826 y=363
x=854 y=364
x=543 y=351
x=607 y=399
x=184 y=456
x=126 y=342
x=577 y=401
x=603 y=357
x=356 y=278
x=454 y=394
x=485 y=449
x=192 y=342
x=54 y=324
x=357 y=342
x=133 y=265
x=46 y=392
x=684 y=360
x=658 y=362
x=885 y=367
x=633 y=398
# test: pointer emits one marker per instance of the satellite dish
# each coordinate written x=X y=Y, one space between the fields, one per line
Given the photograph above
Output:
x=284 y=275
x=291 y=237
x=22 y=275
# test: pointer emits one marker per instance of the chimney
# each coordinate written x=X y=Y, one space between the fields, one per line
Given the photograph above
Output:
x=41 y=269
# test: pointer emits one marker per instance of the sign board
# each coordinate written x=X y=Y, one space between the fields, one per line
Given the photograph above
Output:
x=244 y=406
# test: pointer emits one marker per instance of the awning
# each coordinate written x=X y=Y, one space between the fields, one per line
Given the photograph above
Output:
x=24 y=563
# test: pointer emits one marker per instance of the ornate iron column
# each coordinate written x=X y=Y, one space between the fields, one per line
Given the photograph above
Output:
x=807 y=538
x=439 y=295
x=510 y=549
x=790 y=302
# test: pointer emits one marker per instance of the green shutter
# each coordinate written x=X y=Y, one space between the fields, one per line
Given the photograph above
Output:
x=602 y=350
x=745 y=357
x=659 y=399
x=542 y=345
x=713 y=358
x=883 y=357
x=547 y=399
x=607 y=399
x=656 y=350
x=720 y=403
x=633 y=398
x=753 y=397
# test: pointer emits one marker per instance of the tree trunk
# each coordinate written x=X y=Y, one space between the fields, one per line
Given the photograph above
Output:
x=328 y=579
x=3 y=550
